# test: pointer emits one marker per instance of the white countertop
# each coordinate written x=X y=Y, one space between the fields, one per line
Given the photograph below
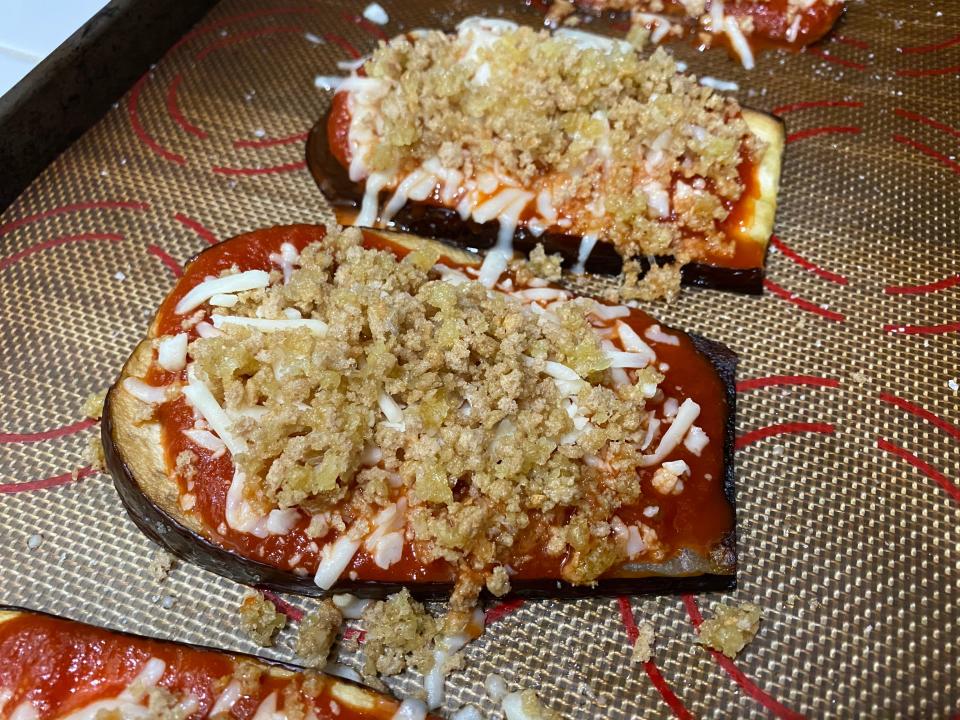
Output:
x=32 y=29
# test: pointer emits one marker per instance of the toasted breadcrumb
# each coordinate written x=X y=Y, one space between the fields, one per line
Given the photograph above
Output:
x=186 y=465
x=93 y=405
x=643 y=647
x=93 y=454
x=317 y=634
x=731 y=628
x=160 y=565
x=538 y=265
x=498 y=582
x=400 y=634
x=260 y=619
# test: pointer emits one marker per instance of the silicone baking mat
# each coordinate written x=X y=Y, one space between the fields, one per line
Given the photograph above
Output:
x=848 y=453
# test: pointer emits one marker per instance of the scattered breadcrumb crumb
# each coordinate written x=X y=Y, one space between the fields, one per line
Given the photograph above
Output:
x=525 y=705
x=93 y=405
x=731 y=628
x=400 y=633
x=643 y=647
x=318 y=632
x=93 y=454
x=260 y=619
x=160 y=565
x=498 y=582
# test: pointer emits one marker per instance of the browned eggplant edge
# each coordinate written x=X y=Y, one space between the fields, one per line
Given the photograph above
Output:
x=172 y=534
x=446 y=225
x=268 y=662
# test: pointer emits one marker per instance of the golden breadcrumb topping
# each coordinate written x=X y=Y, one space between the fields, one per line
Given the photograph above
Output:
x=438 y=400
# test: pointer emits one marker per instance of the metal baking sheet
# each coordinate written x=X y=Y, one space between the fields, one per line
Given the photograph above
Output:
x=849 y=427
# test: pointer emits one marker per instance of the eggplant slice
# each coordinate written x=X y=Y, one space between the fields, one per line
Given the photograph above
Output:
x=354 y=696
x=445 y=224
x=135 y=458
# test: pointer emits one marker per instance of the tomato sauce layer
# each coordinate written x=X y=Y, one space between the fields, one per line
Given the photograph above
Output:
x=60 y=666
x=698 y=519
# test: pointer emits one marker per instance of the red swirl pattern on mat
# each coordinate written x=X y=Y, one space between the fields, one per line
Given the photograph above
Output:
x=133 y=110
x=932 y=47
x=930 y=72
x=950 y=163
x=902 y=329
x=56 y=242
x=172 y=265
x=924 y=120
x=824 y=130
x=948 y=427
x=835 y=59
x=173 y=109
x=172 y=94
x=780 y=380
x=938 y=477
x=853 y=42
x=59 y=432
x=793 y=255
x=788 y=428
x=72 y=208
x=271 y=142
x=748 y=686
x=47 y=483
x=650 y=667
x=802 y=303
x=204 y=234
x=923 y=288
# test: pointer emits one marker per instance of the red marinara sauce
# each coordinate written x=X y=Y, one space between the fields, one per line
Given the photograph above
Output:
x=61 y=666
x=698 y=519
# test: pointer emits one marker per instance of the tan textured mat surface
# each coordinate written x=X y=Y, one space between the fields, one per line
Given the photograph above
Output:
x=849 y=460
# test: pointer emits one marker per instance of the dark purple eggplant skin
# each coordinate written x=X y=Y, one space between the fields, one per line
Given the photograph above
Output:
x=445 y=224
x=168 y=532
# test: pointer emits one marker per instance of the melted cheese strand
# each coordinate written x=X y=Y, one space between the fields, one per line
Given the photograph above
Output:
x=686 y=414
x=206 y=404
x=263 y=325
x=199 y=294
